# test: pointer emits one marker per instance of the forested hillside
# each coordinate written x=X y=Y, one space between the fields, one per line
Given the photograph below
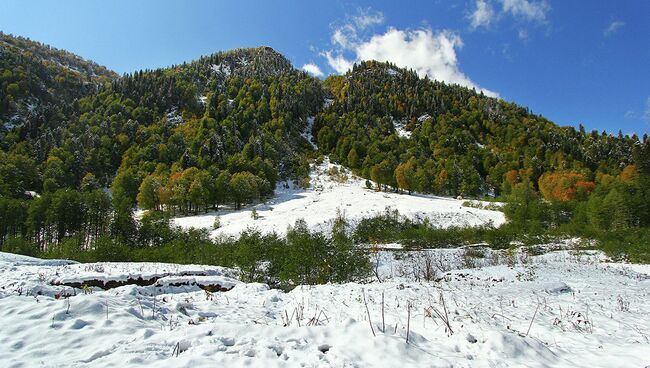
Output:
x=38 y=86
x=417 y=134
x=224 y=129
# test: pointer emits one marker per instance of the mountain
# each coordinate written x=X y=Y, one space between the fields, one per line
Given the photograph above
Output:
x=243 y=110
x=449 y=139
x=70 y=122
x=39 y=83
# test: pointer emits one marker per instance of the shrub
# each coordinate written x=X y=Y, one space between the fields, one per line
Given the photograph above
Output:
x=110 y=250
x=20 y=246
x=69 y=248
x=252 y=254
x=304 y=182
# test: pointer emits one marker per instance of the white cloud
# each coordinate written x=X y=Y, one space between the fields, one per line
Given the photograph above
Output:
x=312 y=69
x=488 y=13
x=613 y=27
x=368 y=18
x=338 y=62
x=347 y=35
x=522 y=34
x=528 y=10
x=482 y=16
x=426 y=52
x=643 y=115
x=344 y=36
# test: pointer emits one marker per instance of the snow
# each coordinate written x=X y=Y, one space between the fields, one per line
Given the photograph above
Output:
x=173 y=117
x=400 y=129
x=307 y=133
x=31 y=194
x=393 y=72
x=111 y=271
x=222 y=69
x=318 y=206
x=243 y=60
x=501 y=314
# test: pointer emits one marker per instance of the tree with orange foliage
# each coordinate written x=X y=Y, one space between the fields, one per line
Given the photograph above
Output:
x=629 y=173
x=565 y=186
x=510 y=179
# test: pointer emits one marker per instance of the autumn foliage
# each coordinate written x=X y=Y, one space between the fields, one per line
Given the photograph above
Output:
x=512 y=177
x=629 y=173
x=564 y=186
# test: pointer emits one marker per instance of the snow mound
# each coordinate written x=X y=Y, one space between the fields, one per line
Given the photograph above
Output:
x=556 y=288
x=213 y=282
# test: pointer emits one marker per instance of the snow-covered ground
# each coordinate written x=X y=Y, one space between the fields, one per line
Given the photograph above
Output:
x=559 y=309
x=327 y=194
x=400 y=128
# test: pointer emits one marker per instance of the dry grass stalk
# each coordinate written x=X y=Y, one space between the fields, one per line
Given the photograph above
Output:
x=368 y=311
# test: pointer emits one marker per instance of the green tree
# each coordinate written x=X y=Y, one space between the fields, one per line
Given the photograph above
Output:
x=250 y=253
x=148 y=193
x=524 y=208
x=89 y=183
x=244 y=188
x=222 y=188
x=383 y=174
x=353 y=158
x=346 y=262
x=125 y=187
x=405 y=175
x=18 y=173
x=306 y=256
x=53 y=174
x=108 y=249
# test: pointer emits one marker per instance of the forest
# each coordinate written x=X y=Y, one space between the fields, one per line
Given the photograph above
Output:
x=82 y=148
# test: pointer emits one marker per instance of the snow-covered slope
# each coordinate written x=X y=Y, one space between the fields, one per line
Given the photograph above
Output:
x=561 y=309
x=328 y=194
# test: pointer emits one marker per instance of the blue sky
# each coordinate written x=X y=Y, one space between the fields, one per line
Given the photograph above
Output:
x=572 y=61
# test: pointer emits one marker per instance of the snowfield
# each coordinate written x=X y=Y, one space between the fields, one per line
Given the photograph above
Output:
x=559 y=309
x=327 y=194
x=459 y=307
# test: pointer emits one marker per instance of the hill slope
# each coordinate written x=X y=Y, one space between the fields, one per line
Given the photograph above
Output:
x=223 y=129
x=39 y=82
x=450 y=139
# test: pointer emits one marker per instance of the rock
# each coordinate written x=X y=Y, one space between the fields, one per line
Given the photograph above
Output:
x=471 y=339
x=557 y=288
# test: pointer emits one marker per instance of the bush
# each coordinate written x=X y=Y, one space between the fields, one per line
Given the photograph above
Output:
x=304 y=182
x=69 y=248
x=107 y=249
x=154 y=229
x=305 y=256
x=381 y=228
x=253 y=254
x=631 y=245
x=21 y=246
x=310 y=257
